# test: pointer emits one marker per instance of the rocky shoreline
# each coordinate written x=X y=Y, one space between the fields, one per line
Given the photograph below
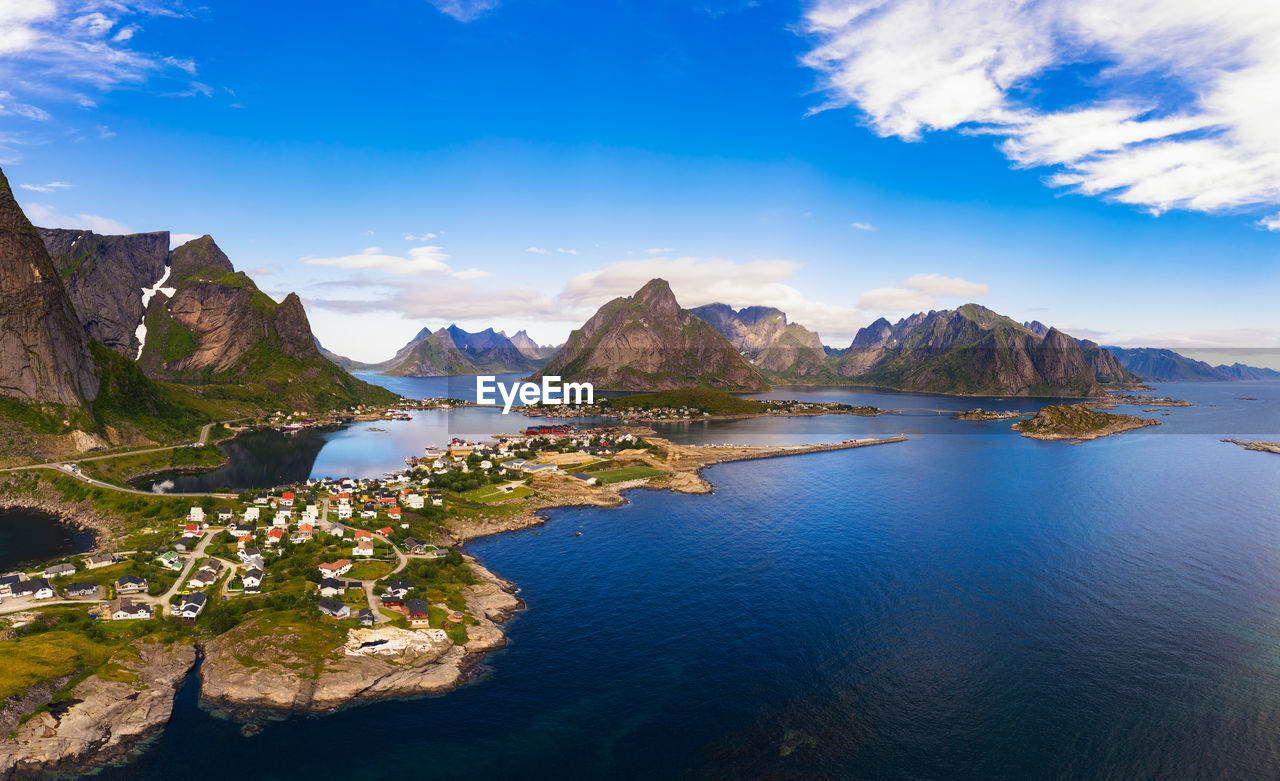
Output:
x=374 y=663
x=103 y=720
x=80 y=515
x=1264 y=447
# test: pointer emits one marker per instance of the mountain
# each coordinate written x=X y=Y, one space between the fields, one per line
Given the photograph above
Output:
x=343 y=361
x=765 y=338
x=45 y=355
x=1163 y=365
x=188 y=316
x=647 y=342
x=530 y=348
x=1239 y=371
x=975 y=351
x=452 y=350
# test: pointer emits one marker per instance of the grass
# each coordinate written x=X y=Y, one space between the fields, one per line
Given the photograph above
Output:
x=30 y=661
x=627 y=473
x=124 y=468
x=369 y=570
x=490 y=493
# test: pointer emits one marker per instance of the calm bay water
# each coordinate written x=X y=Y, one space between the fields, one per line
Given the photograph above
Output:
x=967 y=604
x=33 y=535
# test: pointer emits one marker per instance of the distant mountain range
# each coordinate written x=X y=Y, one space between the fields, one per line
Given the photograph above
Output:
x=449 y=351
x=1161 y=365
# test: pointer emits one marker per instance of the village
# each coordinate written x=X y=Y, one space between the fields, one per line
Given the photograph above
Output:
x=365 y=551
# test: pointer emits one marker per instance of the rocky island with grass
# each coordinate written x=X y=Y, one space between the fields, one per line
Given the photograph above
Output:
x=1078 y=422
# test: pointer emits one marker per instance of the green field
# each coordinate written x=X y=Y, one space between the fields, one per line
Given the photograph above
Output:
x=490 y=493
x=626 y=473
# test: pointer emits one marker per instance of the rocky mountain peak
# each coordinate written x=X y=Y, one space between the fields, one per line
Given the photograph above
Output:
x=44 y=352
x=656 y=296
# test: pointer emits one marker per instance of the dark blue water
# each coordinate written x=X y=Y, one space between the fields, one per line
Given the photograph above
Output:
x=34 y=536
x=956 y=606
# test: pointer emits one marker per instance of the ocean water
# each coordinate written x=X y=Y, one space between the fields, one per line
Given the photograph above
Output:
x=967 y=604
x=28 y=536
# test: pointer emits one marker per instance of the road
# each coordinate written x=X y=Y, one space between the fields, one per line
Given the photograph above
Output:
x=81 y=476
x=203 y=439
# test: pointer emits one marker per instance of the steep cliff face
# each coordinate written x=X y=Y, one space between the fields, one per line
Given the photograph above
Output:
x=973 y=350
x=452 y=350
x=647 y=342
x=44 y=352
x=105 y=276
x=765 y=338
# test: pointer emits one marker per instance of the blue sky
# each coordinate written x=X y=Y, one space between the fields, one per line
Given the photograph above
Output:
x=515 y=164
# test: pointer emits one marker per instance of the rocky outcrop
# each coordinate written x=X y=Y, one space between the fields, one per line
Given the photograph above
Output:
x=105 y=276
x=103 y=720
x=647 y=342
x=44 y=351
x=1077 y=422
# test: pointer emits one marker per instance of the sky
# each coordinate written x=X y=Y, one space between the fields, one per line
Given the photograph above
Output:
x=1112 y=169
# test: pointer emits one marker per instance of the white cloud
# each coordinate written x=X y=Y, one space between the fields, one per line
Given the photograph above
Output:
x=563 y=251
x=420 y=260
x=537 y=250
x=47 y=216
x=1163 y=104
x=178 y=239
x=863 y=226
x=105 y=132
x=423 y=237
x=465 y=10
x=1271 y=223
x=658 y=250
x=46 y=188
x=953 y=287
x=54 y=50
x=896 y=299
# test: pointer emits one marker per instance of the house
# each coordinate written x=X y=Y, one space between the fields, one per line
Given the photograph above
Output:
x=385 y=530
x=334 y=610
x=414 y=501
x=395 y=513
x=82 y=590
x=366 y=617
x=417 y=613
x=332 y=587
x=363 y=548
x=389 y=600
x=121 y=609
x=99 y=560
x=286 y=499
x=192 y=604
x=344 y=512
x=224 y=514
x=414 y=546
x=304 y=533
x=432 y=552
x=338 y=530
x=586 y=478
x=252 y=581
x=261 y=499
x=36 y=588
x=60 y=570
x=7 y=582
x=364 y=534
x=399 y=588
x=251 y=514
x=131 y=584
x=335 y=568
x=191 y=530
x=275 y=536
x=196 y=515
x=370 y=510
x=281 y=521
x=170 y=560
x=248 y=554
x=386 y=499
x=243 y=530
x=203 y=578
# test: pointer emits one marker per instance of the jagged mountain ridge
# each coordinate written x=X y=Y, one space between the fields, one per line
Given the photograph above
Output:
x=452 y=350
x=764 y=337
x=1164 y=365
x=647 y=342
x=972 y=350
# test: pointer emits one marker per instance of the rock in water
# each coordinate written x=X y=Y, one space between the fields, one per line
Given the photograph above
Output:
x=44 y=352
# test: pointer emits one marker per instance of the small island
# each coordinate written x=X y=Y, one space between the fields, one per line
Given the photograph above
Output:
x=1265 y=447
x=1078 y=422
x=980 y=414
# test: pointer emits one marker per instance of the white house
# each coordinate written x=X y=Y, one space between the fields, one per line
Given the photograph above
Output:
x=124 y=609
x=196 y=515
x=192 y=604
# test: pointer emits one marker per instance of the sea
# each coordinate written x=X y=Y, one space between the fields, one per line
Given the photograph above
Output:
x=968 y=604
